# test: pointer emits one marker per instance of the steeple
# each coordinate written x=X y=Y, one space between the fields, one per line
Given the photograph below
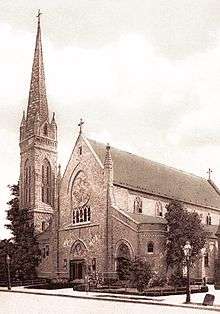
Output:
x=38 y=147
x=37 y=102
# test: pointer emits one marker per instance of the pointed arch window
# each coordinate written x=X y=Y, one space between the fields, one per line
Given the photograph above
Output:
x=206 y=259
x=27 y=183
x=208 y=219
x=45 y=130
x=138 y=205
x=81 y=215
x=80 y=150
x=150 y=247
x=46 y=188
x=43 y=225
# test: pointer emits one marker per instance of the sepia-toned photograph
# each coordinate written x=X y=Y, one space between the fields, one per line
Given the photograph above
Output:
x=110 y=156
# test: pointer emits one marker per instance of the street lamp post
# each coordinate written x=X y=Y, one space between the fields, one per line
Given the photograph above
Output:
x=187 y=249
x=8 y=270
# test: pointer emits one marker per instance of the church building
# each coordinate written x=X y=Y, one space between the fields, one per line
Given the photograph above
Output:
x=107 y=204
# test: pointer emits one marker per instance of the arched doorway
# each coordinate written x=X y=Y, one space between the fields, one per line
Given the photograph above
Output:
x=78 y=256
x=122 y=260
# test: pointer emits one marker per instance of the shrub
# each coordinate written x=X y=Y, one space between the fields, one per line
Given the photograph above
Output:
x=140 y=274
x=158 y=280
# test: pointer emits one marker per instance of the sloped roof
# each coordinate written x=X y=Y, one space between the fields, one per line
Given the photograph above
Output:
x=144 y=175
x=212 y=230
x=140 y=218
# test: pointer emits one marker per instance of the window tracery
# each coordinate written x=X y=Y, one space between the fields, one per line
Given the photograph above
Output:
x=80 y=199
x=81 y=215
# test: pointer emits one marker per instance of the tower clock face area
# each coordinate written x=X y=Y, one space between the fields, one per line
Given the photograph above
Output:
x=81 y=191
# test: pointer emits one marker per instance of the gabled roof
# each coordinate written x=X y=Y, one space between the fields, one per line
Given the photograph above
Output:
x=140 y=174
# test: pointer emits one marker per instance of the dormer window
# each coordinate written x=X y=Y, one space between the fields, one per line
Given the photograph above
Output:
x=138 y=205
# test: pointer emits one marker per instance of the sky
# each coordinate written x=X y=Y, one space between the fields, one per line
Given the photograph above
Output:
x=144 y=76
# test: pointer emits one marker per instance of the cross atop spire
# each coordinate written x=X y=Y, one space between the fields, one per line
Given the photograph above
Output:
x=81 y=122
x=39 y=14
x=37 y=102
x=209 y=172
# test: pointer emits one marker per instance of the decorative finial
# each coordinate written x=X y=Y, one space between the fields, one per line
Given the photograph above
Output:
x=108 y=146
x=108 y=158
x=81 y=122
x=53 y=117
x=209 y=173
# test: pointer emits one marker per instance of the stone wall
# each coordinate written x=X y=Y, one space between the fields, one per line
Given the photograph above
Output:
x=91 y=234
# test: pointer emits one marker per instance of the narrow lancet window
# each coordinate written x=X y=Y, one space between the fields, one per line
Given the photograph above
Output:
x=46 y=188
x=27 y=183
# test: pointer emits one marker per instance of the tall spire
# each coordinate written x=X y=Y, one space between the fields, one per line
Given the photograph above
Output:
x=37 y=102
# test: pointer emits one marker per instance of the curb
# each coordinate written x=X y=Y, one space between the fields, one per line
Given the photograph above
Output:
x=199 y=307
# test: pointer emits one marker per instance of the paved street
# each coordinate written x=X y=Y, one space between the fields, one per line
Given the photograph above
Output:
x=16 y=303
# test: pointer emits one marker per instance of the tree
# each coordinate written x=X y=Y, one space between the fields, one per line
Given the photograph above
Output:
x=183 y=226
x=6 y=248
x=140 y=274
x=137 y=272
x=26 y=254
x=123 y=268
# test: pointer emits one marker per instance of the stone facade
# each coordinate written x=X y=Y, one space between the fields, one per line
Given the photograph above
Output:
x=90 y=192
x=106 y=204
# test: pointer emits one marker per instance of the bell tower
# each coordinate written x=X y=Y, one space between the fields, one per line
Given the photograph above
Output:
x=38 y=147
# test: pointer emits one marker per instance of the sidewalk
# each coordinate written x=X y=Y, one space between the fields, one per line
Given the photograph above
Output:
x=172 y=300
